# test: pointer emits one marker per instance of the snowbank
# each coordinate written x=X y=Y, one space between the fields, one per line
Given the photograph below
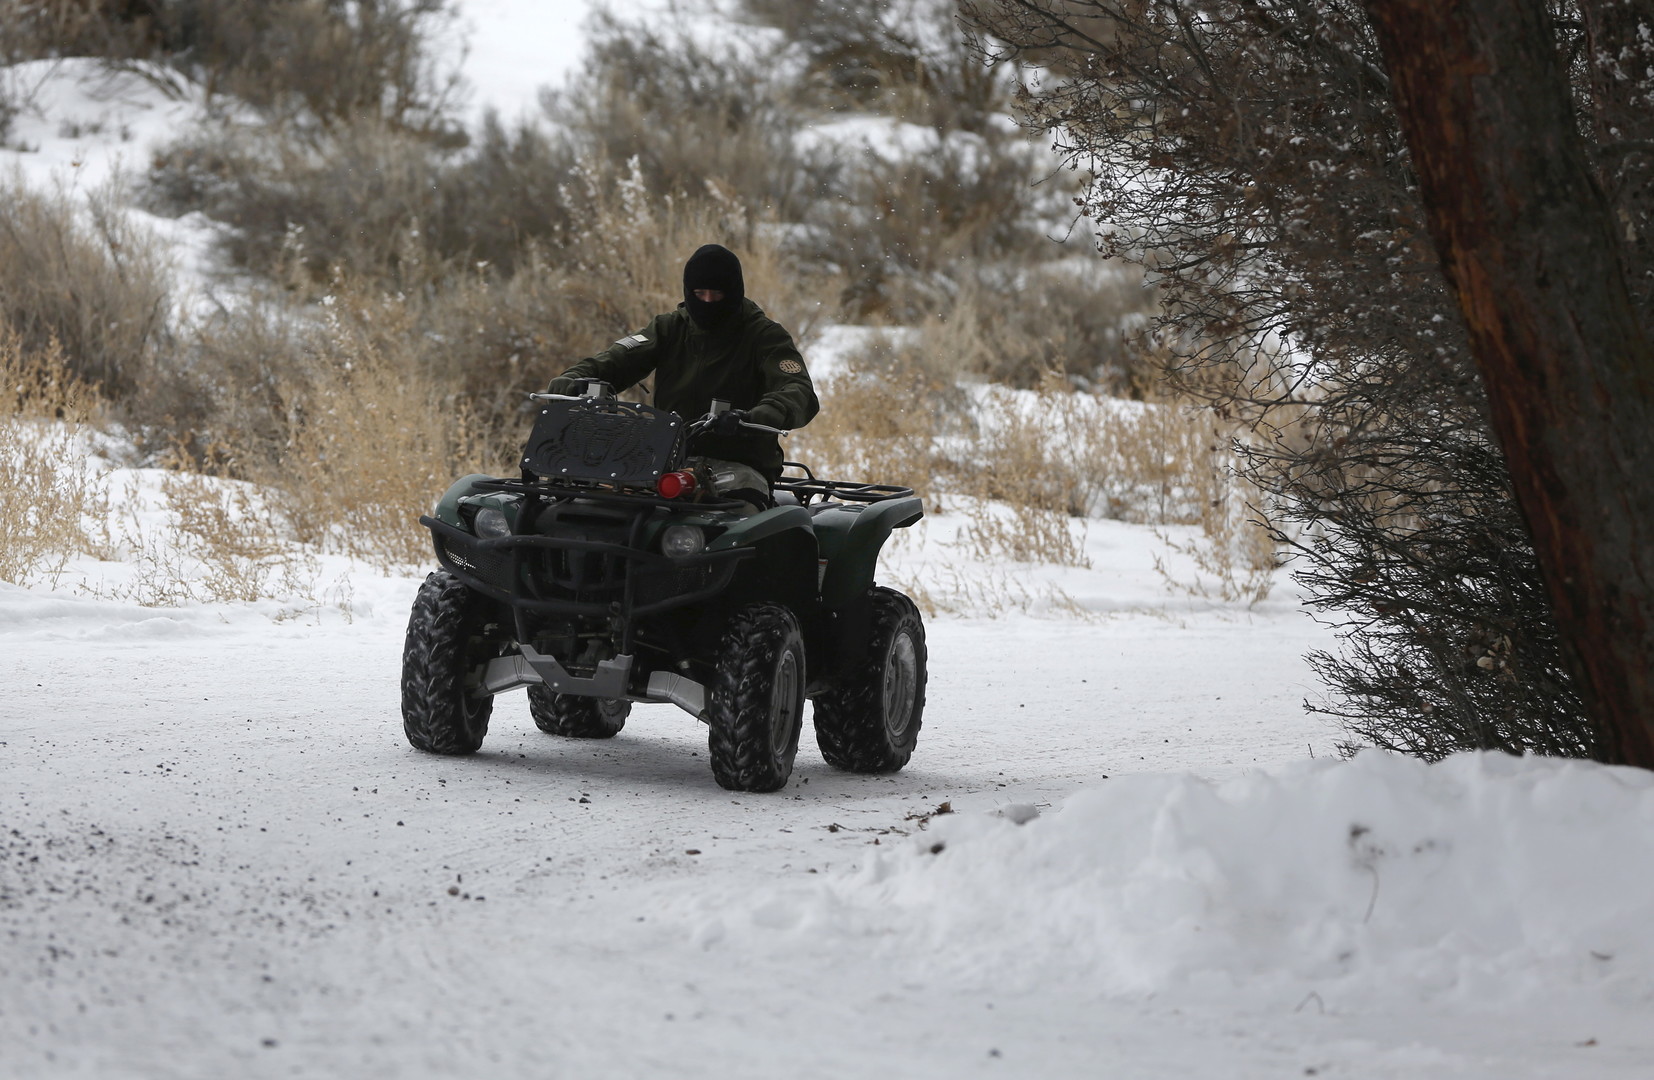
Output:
x=1483 y=880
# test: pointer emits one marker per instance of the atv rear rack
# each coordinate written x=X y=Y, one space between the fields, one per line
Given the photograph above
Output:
x=808 y=487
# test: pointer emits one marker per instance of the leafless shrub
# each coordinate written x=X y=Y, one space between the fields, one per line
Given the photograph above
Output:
x=354 y=198
x=913 y=225
x=686 y=113
x=501 y=201
x=336 y=61
x=903 y=59
x=1079 y=318
x=82 y=276
x=950 y=195
x=39 y=29
x=316 y=60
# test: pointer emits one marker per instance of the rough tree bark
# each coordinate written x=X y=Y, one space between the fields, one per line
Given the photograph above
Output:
x=1528 y=244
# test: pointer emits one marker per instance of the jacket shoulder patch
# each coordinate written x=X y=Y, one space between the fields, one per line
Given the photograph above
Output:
x=791 y=367
x=632 y=341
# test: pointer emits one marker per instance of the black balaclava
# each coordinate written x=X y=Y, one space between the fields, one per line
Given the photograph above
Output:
x=713 y=266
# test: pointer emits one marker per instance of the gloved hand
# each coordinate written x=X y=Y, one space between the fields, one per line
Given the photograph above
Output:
x=564 y=385
x=728 y=422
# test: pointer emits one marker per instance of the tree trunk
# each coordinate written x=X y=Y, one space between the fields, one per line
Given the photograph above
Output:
x=1528 y=244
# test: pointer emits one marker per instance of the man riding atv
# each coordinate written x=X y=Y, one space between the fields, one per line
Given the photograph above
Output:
x=716 y=345
x=657 y=553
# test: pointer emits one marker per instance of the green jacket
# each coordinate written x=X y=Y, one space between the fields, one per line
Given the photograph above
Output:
x=751 y=363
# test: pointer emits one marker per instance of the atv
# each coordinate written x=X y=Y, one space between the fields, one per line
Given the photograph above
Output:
x=613 y=571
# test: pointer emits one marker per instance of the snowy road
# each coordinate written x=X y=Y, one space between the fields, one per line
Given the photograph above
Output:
x=236 y=847
x=220 y=858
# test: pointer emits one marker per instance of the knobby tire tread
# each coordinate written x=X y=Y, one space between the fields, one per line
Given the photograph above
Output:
x=739 y=719
x=849 y=718
x=435 y=716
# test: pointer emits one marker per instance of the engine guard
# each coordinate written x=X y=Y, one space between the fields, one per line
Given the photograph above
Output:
x=528 y=667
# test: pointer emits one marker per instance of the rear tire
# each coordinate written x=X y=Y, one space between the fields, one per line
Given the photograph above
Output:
x=575 y=717
x=756 y=706
x=869 y=721
x=440 y=715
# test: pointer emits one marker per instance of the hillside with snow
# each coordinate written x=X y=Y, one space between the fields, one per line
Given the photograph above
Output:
x=1123 y=847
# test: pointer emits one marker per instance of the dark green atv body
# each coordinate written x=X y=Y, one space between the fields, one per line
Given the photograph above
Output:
x=581 y=581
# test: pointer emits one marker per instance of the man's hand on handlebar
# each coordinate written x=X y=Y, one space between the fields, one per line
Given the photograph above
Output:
x=727 y=422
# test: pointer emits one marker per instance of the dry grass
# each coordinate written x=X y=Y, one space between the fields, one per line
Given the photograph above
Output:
x=222 y=541
x=1049 y=459
x=362 y=431
x=51 y=500
x=883 y=421
x=370 y=445
x=225 y=542
x=1234 y=558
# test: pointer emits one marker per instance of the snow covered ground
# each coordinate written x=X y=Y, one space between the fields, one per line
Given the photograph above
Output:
x=1112 y=855
x=1122 y=849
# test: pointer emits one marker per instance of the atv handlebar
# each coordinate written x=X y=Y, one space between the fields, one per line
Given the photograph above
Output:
x=719 y=407
x=698 y=426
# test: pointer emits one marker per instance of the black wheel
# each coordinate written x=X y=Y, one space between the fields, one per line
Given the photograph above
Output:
x=756 y=706
x=444 y=644
x=869 y=721
x=576 y=717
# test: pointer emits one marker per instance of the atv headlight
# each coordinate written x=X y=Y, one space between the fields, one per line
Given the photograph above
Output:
x=490 y=523
x=682 y=541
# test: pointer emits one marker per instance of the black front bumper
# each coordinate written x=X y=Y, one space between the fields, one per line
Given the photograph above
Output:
x=554 y=575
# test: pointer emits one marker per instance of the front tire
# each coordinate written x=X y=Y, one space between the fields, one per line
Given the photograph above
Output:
x=869 y=722
x=440 y=715
x=575 y=717
x=756 y=708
